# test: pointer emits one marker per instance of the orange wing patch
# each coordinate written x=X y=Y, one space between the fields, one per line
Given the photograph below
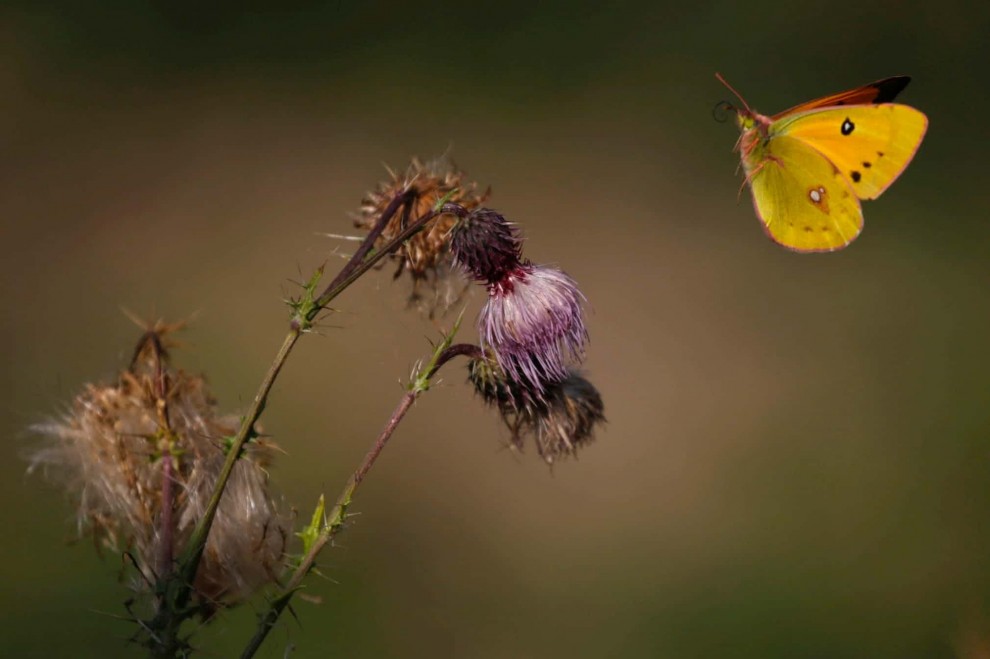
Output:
x=881 y=91
x=818 y=197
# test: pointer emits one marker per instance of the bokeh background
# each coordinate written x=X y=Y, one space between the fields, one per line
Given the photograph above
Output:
x=797 y=459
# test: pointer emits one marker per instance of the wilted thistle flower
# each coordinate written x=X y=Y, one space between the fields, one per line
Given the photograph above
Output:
x=109 y=452
x=426 y=256
x=533 y=321
x=560 y=421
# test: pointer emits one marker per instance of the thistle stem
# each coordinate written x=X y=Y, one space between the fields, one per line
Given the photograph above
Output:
x=189 y=561
x=334 y=523
x=167 y=524
x=177 y=592
x=343 y=280
x=456 y=350
x=159 y=355
x=335 y=520
x=400 y=200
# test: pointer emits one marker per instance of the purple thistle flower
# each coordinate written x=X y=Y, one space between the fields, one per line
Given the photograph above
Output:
x=533 y=324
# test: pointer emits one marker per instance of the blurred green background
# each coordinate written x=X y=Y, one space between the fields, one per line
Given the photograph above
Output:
x=797 y=460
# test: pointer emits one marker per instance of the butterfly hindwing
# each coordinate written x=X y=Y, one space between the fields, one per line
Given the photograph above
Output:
x=869 y=144
x=803 y=200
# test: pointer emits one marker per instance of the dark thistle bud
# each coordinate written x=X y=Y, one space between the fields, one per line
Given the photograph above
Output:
x=486 y=245
x=560 y=420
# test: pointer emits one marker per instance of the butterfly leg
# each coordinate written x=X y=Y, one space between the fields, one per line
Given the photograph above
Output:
x=750 y=175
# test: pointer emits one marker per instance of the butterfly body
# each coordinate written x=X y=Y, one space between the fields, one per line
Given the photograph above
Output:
x=809 y=167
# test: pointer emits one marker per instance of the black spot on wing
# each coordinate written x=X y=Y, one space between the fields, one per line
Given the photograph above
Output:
x=856 y=176
x=889 y=88
x=867 y=164
x=847 y=127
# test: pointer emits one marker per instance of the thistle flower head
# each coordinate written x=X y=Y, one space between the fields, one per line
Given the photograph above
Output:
x=487 y=246
x=426 y=256
x=495 y=389
x=573 y=409
x=560 y=420
x=119 y=443
x=533 y=324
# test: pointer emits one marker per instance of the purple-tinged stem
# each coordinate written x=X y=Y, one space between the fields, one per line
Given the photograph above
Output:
x=342 y=281
x=335 y=520
x=400 y=200
x=456 y=350
x=333 y=525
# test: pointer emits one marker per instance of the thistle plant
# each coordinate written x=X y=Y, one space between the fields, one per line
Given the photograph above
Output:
x=162 y=477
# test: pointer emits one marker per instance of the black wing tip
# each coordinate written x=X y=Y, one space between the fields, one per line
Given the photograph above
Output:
x=889 y=88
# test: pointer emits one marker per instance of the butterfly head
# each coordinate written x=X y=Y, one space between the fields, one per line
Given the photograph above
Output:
x=746 y=118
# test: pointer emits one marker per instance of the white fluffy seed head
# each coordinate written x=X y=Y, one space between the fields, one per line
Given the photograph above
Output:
x=106 y=451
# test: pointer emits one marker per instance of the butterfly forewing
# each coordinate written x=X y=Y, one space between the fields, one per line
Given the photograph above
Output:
x=881 y=91
x=804 y=202
x=870 y=145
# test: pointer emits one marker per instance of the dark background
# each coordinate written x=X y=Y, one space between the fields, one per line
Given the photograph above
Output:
x=797 y=460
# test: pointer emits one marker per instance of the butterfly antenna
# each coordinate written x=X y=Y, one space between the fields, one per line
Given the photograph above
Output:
x=737 y=94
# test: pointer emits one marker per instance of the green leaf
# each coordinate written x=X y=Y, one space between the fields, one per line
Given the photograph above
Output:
x=422 y=375
x=305 y=307
x=311 y=532
x=444 y=199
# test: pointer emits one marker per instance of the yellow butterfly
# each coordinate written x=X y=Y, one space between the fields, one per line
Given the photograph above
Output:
x=808 y=167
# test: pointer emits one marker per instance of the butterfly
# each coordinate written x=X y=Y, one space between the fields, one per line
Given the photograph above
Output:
x=808 y=167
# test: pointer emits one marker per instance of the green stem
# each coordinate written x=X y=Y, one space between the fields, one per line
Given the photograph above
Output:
x=189 y=560
x=176 y=592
